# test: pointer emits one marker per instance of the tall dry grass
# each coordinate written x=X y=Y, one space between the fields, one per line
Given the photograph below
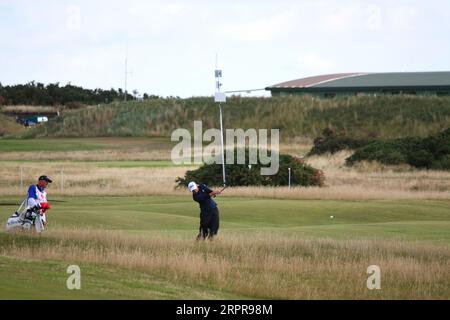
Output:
x=98 y=155
x=349 y=192
x=375 y=177
x=257 y=265
x=81 y=179
x=28 y=109
x=363 y=182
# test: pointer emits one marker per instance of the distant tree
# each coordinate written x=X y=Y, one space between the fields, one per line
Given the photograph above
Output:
x=146 y=96
x=36 y=93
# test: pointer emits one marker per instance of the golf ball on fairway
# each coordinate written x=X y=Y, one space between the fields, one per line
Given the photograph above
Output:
x=331 y=217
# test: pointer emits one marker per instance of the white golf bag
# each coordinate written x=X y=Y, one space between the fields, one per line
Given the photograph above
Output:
x=27 y=219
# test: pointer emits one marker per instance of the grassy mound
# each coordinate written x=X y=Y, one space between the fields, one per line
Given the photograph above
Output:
x=9 y=126
x=357 y=117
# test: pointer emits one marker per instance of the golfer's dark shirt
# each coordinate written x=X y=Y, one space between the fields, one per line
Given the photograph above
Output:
x=204 y=199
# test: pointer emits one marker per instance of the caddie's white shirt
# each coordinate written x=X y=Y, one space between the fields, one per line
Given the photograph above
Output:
x=36 y=195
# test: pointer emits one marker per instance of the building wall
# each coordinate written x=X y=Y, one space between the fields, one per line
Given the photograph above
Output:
x=348 y=92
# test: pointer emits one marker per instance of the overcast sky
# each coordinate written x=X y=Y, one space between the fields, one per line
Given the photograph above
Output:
x=172 y=45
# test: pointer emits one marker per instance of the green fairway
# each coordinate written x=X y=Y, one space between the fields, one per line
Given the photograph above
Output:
x=422 y=220
x=10 y=145
x=83 y=144
x=137 y=164
x=163 y=227
x=104 y=164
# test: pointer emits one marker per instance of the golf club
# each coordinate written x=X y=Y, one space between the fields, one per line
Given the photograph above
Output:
x=223 y=189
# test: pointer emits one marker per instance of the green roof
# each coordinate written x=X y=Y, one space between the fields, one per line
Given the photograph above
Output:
x=409 y=79
x=369 y=80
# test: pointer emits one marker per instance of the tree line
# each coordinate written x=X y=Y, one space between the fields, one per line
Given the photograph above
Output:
x=36 y=93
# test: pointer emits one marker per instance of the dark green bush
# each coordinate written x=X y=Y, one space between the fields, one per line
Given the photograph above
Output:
x=330 y=142
x=387 y=152
x=420 y=158
x=442 y=163
x=432 y=152
x=245 y=175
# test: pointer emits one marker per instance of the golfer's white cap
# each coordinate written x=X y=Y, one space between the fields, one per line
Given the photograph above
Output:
x=192 y=186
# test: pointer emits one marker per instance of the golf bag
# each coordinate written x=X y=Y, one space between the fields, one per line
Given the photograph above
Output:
x=27 y=219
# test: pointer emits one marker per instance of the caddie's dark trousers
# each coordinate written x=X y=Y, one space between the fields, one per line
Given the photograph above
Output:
x=209 y=224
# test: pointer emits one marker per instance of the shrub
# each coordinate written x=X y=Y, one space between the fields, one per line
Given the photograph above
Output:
x=74 y=105
x=442 y=163
x=245 y=175
x=386 y=152
x=420 y=158
x=432 y=152
x=329 y=142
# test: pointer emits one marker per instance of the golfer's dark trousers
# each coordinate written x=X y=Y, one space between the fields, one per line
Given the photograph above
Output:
x=209 y=223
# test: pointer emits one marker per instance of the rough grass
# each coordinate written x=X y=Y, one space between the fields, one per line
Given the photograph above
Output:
x=263 y=259
x=266 y=249
x=9 y=126
x=98 y=282
x=383 y=116
x=157 y=178
x=28 y=109
x=141 y=172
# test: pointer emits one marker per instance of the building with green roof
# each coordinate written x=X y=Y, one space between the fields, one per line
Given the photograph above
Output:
x=355 y=84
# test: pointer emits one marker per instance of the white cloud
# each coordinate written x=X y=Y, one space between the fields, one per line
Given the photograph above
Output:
x=173 y=9
x=73 y=22
x=259 y=29
x=314 y=63
x=171 y=44
x=403 y=18
x=374 y=21
x=337 y=18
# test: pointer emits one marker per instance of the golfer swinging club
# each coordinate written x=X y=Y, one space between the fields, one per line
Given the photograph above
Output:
x=209 y=213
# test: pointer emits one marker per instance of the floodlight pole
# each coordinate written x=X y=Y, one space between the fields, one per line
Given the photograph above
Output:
x=220 y=98
x=223 y=149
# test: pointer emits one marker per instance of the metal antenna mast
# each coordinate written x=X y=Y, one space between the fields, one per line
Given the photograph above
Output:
x=126 y=74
